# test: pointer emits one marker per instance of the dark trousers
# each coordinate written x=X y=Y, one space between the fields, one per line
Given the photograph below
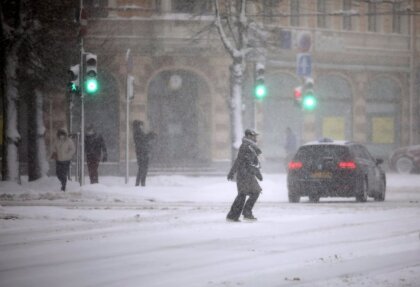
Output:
x=62 y=169
x=93 y=165
x=143 y=165
x=241 y=205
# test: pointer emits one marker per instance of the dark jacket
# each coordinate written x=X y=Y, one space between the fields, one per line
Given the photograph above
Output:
x=142 y=142
x=95 y=147
x=247 y=168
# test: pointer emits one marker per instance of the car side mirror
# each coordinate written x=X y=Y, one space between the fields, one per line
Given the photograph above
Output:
x=379 y=161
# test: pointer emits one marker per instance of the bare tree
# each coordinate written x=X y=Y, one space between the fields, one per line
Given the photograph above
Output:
x=235 y=29
x=38 y=41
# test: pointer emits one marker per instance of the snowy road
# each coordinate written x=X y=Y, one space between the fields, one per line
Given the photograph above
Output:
x=176 y=242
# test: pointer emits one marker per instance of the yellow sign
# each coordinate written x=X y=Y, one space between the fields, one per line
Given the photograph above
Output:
x=383 y=130
x=333 y=127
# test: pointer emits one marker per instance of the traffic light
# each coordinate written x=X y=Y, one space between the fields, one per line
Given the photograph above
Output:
x=74 y=83
x=260 y=90
x=91 y=82
x=297 y=93
x=309 y=100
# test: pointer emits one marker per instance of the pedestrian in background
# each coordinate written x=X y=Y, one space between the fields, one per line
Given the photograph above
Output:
x=62 y=152
x=142 y=143
x=95 y=150
x=247 y=170
x=290 y=146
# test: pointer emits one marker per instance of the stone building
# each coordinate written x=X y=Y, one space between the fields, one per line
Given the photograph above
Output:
x=363 y=57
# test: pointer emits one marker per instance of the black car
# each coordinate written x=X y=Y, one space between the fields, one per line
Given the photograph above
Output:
x=328 y=168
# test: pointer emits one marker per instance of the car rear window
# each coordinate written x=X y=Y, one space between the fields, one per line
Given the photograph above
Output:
x=319 y=152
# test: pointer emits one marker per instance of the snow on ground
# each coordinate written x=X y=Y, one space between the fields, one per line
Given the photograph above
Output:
x=173 y=233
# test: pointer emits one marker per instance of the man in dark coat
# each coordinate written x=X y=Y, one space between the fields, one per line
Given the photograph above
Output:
x=95 y=149
x=247 y=170
x=142 y=142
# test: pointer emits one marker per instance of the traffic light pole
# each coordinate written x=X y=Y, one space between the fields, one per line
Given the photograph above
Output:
x=82 y=117
x=127 y=130
x=81 y=160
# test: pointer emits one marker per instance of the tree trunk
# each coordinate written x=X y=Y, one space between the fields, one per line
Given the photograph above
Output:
x=12 y=134
x=236 y=80
x=37 y=155
x=41 y=151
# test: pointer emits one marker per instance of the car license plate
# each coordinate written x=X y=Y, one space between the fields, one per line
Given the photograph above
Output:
x=321 y=174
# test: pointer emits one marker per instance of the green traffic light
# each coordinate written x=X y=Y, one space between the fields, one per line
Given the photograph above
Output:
x=260 y=91
x=309 y=102
x=73 y=87
x=91 y=86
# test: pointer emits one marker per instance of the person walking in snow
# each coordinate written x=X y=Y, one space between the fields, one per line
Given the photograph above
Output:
x=95 y=150
x=142 y=142
x=247 y=170
x=62 y=152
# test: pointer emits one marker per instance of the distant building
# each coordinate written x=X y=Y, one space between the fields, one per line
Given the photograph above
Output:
x=362 y=57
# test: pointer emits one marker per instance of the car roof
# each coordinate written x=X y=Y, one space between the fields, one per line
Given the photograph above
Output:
x=327 y=141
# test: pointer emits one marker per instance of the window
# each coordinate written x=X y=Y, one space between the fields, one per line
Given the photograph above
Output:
x=322 y=10
x=270 y=9
x=361 y=152
x=372 y=18
x=191 y=6
x=346 y=17
x=96 y=8
x=294 y=12
x=396 y=18
x=315 y=153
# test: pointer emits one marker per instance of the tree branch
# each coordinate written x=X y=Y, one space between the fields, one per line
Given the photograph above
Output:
x=228 y=45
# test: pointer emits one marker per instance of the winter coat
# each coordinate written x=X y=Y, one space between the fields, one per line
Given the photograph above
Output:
x=63 y=148
x=95 y=147
x=247 y=168
x=142 y=142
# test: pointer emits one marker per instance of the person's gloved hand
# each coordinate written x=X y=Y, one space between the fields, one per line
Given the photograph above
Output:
x=259 y=176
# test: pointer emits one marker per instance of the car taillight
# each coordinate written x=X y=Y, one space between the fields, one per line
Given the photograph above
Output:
x=347 y=164
x=295 y=165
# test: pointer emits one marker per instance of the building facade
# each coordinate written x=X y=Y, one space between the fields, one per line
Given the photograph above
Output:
x=362 y=56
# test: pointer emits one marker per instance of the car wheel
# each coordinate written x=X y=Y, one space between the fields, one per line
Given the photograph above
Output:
x=362 y=192
x=380 y=196
x=314 y=198
x=404 y=165
x=293 y=197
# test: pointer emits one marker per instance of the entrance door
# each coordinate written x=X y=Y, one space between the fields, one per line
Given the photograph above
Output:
x=173 y=115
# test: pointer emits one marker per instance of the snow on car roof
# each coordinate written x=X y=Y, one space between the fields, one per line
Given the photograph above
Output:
x=327 y=141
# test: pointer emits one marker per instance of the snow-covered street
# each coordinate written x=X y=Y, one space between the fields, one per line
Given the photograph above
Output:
x=174 y=233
